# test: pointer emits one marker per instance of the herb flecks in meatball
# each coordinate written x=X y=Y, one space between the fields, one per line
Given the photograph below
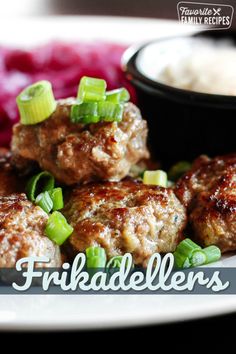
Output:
x=75 y=152
x=125 y=216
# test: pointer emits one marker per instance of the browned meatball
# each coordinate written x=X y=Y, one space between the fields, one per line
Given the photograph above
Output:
x=209 y=191
x=204 y=174
x=9 y=182
x=22 y=232
x=75 y=152
x=125 y=216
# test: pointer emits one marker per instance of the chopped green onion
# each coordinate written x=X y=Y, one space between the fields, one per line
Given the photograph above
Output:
x=181 y=261
x=188 y=253
x=44 y=201
x=96 y=257
x=186 y=247
x=57 y=228
x=183 y=253
x=212 y=253
x=36 y=103
x=114 y=262
x=177 y=170
x=110 y=112
x=157 y=178
x=198 y=258
x=85 y=113
x=91 y=89
x=41 y=182
x=57 y=198
x=120 y=95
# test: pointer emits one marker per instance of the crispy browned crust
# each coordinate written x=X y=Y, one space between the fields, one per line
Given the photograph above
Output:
x=81 y=153
x=22 y=227
x=209 y=191
x=126 y=216
x=204 y=174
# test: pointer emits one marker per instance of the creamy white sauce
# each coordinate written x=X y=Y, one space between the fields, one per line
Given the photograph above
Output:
x=206 y=69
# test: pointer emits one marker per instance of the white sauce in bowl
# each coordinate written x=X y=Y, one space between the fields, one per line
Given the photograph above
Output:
x=194 y=64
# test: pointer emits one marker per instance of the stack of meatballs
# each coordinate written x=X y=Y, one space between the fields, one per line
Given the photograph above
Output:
x=105 y=207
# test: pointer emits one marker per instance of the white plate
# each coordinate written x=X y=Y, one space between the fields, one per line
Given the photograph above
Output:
x=51 y=312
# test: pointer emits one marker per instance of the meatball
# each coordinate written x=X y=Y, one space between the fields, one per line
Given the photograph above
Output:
x=22 y=232
x=9 y=182
x=126 y=216
x=204 y=174
x=209 y=191
x=75 y=152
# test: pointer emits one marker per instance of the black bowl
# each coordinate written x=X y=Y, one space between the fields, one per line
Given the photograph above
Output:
x=182 y=124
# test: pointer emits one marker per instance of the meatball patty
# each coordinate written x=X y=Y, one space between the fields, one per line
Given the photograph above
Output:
x=203 y=175
x=22 y=232
x=9 y=182
x=209 y=191
x=75 y=152
x=126 y=216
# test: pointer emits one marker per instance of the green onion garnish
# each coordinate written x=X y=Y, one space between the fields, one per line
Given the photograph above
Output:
x=36 y=103
x=110 y=112
x=91 y=89
x=41 y=182
x=157 y=178
x=120 y=95
x=181 y=261
x=96 y=257
x=57 y=228
x=177 y=170
x=184 y=251
x=198 y=258
x=212 y=253
x=114 y=262
x=44 y=201
x=189 y=254
x=57 y=198
x=85 y=113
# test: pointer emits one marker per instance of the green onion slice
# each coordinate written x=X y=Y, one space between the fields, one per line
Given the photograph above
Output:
x=57 y=228
x=91 y=89
x=85 y=113
x=181 y=261
x=36 y=103
x=114 y=262
x=41 y=182
x=187 y=247
x=120 y=95
x=96 y=257
x=212 y=254
x=157 y=178
x=177 y=170
x=110 y=112
x=57 y=198
x=198 y=258
x=44 y=201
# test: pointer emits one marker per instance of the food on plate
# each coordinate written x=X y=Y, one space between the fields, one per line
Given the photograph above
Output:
x=209 y=192
x=126 y=216
x=206 y=68
x=9 y=182
x=86 y=140
x=22 y=232
x=88 y=147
